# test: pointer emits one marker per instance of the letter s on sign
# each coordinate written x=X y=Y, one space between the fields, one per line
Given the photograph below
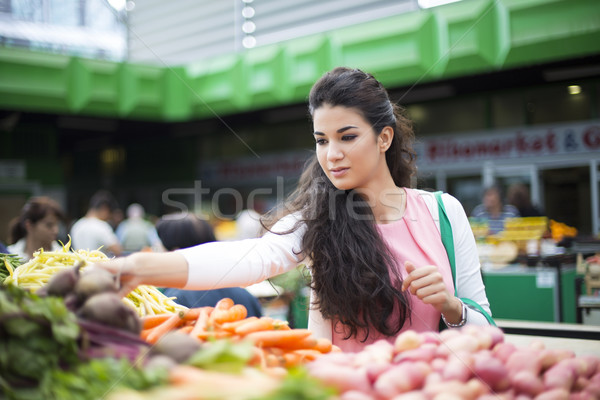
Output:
x=591 y=137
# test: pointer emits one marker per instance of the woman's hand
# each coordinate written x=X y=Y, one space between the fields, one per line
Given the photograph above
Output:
x=157 y=269
x=123 y=269
x=427 y=284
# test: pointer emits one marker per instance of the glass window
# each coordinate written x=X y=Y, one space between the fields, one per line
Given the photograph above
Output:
x=559 y=103
x=507 y=109
x=455 y=115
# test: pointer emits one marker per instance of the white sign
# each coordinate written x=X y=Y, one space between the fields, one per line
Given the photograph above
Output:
x=508 y=144
x=12 y=170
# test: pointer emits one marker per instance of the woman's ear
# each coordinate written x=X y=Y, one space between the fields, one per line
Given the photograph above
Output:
x=385 y=138
x=28 y=225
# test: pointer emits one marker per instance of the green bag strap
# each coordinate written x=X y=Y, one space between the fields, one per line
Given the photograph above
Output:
x=448 y=242
x=446 y=232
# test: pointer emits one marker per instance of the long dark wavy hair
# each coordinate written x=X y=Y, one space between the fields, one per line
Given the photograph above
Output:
x=354 y=275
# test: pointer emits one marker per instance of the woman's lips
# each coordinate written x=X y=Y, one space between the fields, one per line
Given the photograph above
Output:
x=338 y=172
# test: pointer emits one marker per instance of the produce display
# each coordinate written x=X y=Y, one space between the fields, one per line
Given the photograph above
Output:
x=73 y=337
x=35 y=273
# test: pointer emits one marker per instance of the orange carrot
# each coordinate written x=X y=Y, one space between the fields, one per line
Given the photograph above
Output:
x=323 y=345
x=201 y=322
x=232 y=326
x=171 y=323
x=224 y=304
x=234 y=313
x=259 y=324
x=309 y=342
x=185 y=329
x=204 y=335
x=307 y=354
x=278 y=338
x=151 y=321
x=144 y=333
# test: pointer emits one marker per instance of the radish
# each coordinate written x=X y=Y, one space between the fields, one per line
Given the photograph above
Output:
x=407 y=340
x=491 y=371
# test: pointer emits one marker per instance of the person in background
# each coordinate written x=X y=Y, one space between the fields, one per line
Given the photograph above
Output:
x=92 y=231
x=36 y=228
x=518 y=196
x=135 y=233
x=377 y=262
x=179 y=231
x=493 y=210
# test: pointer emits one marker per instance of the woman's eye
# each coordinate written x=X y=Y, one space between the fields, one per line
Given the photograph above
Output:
x=348 y=137
x=320 y=141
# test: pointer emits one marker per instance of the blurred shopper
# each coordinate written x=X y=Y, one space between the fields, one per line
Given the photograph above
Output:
x=136 y=233
x=518 y=196
x=248 y=224
x=493 y=210
x=93 y=230
x=36 y=228
x=179 y=231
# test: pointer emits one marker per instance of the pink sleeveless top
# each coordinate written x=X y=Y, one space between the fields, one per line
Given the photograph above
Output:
x=414 y=238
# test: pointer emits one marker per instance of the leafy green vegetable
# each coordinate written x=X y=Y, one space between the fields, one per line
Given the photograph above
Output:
x=8 y=261
x=298 y=385
x=99 y=377
x=40 y=354
x=222 y=355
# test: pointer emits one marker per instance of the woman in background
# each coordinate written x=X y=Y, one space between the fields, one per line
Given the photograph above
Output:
x=36 y=228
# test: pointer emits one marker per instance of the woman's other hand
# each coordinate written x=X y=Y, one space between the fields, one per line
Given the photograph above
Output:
x=427 y=284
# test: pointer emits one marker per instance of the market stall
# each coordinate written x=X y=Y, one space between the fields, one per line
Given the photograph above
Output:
x=66 y=334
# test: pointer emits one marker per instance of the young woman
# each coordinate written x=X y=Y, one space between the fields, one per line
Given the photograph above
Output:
x=36 y=228
x=377 y=261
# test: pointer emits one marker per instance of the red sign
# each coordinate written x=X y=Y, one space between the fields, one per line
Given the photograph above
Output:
x=531 y=143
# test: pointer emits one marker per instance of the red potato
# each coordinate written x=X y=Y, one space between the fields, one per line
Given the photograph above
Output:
x=374 y=370
x=462 y=343
x=526 y=382
x=553 y=394
x=483 y=337
x=587 y=365
x=522 y=396
x=502 y=351
x=343 y=378
x=379 y=352
x=455 y=389
x=426 y=352
x=414 y=395
x=491 y=371
x=458 y=367
x=593 y=387
x=524 y=359
x=582 y=396
x=549 y=357
x=580 y=384
x=407 y=340
x=401 y=378
x=561 y=375
x=438 y=364
x=431 y=337
x=355 y=395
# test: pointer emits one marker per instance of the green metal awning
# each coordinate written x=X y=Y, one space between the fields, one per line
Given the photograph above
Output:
x=459 y=39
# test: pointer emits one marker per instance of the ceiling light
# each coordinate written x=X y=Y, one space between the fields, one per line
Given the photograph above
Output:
x=574 y=89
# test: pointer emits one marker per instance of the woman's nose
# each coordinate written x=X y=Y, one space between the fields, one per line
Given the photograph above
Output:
x=334 y=153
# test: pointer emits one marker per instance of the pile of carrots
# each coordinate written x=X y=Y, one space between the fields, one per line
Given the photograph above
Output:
x=276 y=345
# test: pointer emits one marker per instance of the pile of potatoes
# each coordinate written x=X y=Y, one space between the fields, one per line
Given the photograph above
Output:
x=471 y=363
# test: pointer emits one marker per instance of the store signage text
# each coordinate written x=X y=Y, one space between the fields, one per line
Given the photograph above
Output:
x=574 y=139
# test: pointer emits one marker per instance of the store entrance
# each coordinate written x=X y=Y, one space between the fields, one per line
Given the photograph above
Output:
x=568 y=196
